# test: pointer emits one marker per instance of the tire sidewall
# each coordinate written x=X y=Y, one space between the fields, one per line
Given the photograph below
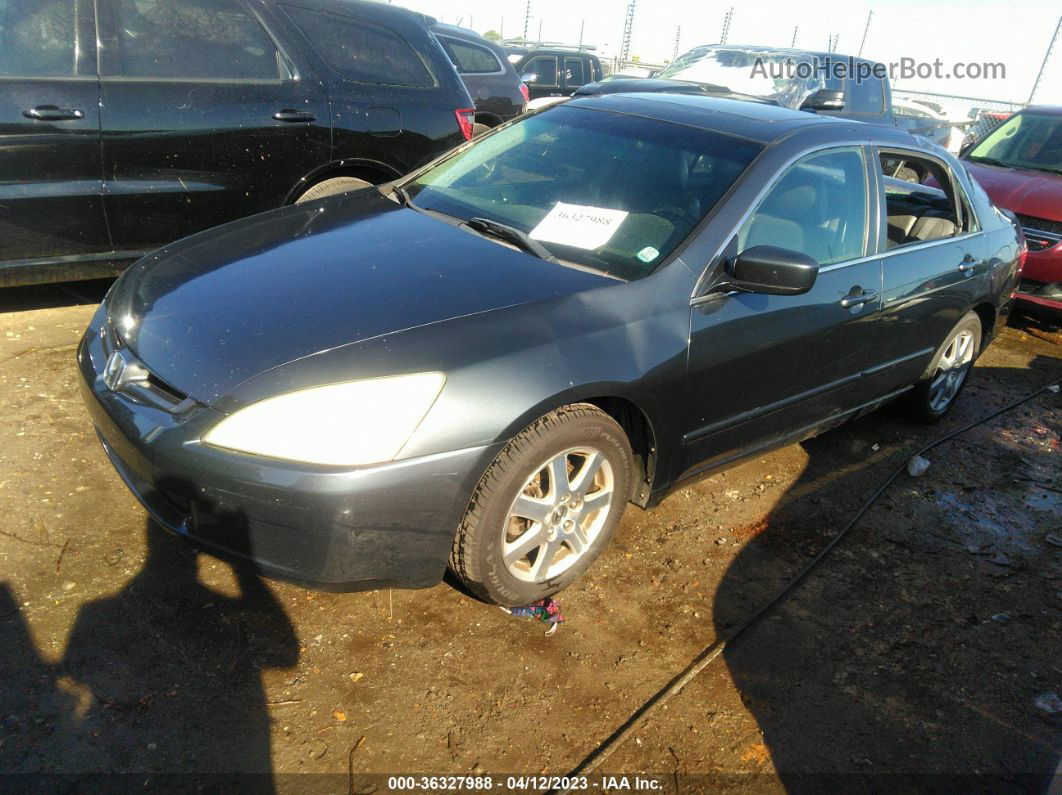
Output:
x=604 y=435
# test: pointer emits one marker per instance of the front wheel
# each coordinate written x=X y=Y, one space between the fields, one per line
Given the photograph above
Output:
x=545 y=508
x=935 y=394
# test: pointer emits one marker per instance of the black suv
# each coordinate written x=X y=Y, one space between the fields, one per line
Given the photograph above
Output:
x=553 y=70
x=126 y=124
x=489 y=77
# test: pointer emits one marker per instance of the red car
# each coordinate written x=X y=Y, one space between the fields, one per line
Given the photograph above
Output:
x=1020 y=167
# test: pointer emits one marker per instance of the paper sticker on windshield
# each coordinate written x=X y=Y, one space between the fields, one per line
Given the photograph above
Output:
x=578 y=225
x=648 y=254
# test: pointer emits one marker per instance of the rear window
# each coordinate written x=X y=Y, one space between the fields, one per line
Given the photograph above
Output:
x=600 y=190
x=363 y=52
x=470 y=58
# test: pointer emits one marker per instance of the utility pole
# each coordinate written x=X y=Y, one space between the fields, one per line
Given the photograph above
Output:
x=1047 y=57
x=582 y=27
x=501 y=28
x=628 y=25
x=678 y=36
x=832 y=45
x=726 y=25
x=527 y=18
x=540 y=28
x=795 y=29
x=865 y=31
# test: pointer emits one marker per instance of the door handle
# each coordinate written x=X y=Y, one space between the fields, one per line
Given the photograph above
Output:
x=294 y=116
x=969 y=262
x=863 y=297
x=53 y=113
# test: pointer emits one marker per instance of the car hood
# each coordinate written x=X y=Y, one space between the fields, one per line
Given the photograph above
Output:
x=211 y=311
x=1035 y=193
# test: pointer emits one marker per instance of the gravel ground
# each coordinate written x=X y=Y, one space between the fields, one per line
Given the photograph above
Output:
x=928 y=644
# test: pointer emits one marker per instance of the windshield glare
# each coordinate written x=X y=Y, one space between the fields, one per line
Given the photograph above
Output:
x=603 y=190
x=781 y=77
x=1025 y=140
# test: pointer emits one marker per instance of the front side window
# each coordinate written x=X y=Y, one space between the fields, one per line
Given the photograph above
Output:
x=544 y=70
x=817 y=208
x=600 y=190
x=193 y=39
x=361 y=51
x=470 y=58
x=37 y=38
x=1027 y=140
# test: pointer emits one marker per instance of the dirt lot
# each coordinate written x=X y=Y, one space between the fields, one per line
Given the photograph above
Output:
x=929 y=643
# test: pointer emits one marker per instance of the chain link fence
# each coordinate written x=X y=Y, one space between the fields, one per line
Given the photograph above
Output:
x=975 y=117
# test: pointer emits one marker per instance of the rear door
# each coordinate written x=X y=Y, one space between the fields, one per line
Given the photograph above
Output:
x=207 y=117
x=764 y=368
x=934 y=261
x=50 y=196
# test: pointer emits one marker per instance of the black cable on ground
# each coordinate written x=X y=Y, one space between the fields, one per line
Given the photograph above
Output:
x=705 y=658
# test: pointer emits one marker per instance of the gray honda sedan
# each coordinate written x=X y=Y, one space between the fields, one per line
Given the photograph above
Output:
x=480 y=365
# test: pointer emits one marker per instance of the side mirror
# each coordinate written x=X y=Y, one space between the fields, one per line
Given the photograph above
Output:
x=529 y=77
x=771 y=270
x=824 y=99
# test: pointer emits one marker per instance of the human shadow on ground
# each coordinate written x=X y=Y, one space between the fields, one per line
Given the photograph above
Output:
x=914 y=656
x=162 y=680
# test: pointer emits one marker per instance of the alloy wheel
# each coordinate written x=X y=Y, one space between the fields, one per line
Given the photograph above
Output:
x=951 y=371
x=558 y=514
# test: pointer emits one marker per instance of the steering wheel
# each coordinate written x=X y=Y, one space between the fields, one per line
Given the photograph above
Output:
x=677 y=218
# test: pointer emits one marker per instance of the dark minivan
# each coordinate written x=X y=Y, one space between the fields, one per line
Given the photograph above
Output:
x=495 y=87
x=127 y=124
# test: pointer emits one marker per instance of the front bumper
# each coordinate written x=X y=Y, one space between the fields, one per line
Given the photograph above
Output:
x=1041 y=281
x=335 y=529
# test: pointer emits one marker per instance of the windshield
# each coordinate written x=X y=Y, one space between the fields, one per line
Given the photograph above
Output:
x=1026 y=140
x=602 y=190
x=778 y=76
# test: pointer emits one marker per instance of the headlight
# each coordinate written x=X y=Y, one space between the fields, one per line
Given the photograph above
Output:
x=350 y=424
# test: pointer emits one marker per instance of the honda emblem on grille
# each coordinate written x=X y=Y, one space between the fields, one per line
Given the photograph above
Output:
x=120 y=372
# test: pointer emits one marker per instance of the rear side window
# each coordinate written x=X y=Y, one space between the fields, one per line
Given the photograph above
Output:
x=37 y=38
x=470 y=58
x=576 y=72
x=193 y=39
x=362 y=51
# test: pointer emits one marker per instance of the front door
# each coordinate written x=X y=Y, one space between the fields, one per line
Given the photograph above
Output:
x=50 y=194
x=206 y=118
x=765 y=368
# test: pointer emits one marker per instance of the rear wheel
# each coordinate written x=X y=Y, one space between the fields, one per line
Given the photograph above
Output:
x=332 y=187
x=936 y=393
x=545 y=508
x=479 y=129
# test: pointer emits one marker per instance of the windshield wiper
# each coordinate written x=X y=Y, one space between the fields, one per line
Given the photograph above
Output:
x=511 y=234
x=402 y=194
x=991 y=161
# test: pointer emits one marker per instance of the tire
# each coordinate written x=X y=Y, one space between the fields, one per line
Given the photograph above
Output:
x=478 y=129
x=932 y=397
x=331 y=187
x=571 y=434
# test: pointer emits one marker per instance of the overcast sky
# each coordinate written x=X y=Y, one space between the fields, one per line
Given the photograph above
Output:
x=1014 y=32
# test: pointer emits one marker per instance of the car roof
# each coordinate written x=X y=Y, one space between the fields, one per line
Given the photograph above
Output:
x=458 y=32
x=370 y=6
x=1047 y=110
x=764 y=123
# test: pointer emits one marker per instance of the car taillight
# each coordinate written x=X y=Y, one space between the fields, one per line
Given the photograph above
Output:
x=1024 y=255
x=526 y=94
x=466 y=117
